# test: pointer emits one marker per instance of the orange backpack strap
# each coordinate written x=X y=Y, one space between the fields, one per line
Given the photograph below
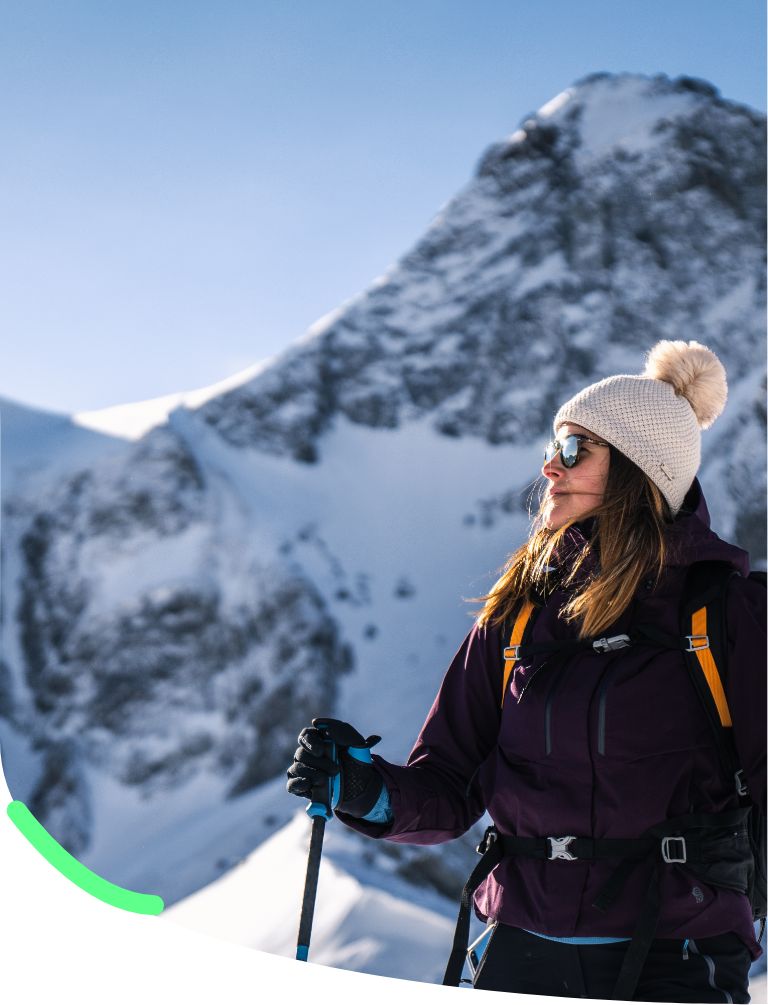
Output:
x=703 y=615
x=515 y=639
x=708 y=666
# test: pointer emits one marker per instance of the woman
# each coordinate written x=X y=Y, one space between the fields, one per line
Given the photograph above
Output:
x=564 y=739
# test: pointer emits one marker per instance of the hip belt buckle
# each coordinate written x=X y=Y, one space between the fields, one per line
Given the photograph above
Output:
x=673 y=855
x=558 y=847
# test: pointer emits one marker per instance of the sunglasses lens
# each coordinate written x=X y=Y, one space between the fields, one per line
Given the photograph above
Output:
x=570 y=451
x=567 y=448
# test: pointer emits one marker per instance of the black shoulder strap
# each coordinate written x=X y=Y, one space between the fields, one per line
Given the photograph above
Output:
x=703 y=617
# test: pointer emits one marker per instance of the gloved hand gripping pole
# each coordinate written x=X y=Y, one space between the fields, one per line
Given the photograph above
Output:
x=320 y=811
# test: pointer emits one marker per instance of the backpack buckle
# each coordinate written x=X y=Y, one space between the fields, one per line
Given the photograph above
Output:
x=558 y=848
x=672 y=856
x=614 y=642
x=511 y=653
x=741 y=785
x=695 y=642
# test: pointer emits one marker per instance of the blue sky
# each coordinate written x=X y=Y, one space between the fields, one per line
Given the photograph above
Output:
x=187 y=186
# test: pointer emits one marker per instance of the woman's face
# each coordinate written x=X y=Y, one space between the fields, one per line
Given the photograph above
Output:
x=573 y=492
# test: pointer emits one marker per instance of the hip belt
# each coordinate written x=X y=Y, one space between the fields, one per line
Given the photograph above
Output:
x=712 y=846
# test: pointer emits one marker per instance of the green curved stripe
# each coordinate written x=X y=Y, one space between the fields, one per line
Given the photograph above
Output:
x=59 y=858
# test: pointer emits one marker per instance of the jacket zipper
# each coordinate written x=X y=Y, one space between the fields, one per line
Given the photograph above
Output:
x=548 y=711
x=601 y=712
x=603 y=704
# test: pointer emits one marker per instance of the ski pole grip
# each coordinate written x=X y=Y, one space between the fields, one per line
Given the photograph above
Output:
x=319 y=810
x=324 y=808
x=362 y=754
x=339 y=736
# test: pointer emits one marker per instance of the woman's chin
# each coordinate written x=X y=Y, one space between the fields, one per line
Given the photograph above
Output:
x=554 y=521
x=558 y=514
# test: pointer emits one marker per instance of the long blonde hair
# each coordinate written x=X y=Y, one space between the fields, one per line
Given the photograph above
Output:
x=628 y=539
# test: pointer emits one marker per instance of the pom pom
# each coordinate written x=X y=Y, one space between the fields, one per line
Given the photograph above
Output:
x=695 y=372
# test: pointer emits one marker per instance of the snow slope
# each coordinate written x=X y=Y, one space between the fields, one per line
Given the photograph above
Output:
x=131 y=421
x=366 y=917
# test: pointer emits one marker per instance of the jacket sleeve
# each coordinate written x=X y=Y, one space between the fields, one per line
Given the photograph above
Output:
x=433 y=796
x=746 y=683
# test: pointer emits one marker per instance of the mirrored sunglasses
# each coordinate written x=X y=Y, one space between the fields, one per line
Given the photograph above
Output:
x=569 y=448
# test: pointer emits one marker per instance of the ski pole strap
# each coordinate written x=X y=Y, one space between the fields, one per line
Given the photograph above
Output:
x=492 y=853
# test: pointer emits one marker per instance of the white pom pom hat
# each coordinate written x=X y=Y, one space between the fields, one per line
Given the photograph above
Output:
x=656 y=418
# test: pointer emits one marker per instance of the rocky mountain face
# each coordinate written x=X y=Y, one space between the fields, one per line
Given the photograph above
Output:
x=175 y=609
x=628 y=211
x=158 y=683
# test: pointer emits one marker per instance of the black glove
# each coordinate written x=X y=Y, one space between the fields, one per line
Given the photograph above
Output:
x=313 y=769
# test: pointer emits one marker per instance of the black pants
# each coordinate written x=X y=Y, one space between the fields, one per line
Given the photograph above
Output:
x=717 y=968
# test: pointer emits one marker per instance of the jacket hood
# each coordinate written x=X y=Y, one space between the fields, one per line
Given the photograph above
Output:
x=691 y=538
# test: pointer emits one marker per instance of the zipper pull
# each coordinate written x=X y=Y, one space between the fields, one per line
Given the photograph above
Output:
x=685 y=949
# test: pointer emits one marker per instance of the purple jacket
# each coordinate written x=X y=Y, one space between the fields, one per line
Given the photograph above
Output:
x=608 y=746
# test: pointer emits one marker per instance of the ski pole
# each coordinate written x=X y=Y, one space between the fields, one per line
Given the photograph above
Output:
x=310 y=883
x=320 y=811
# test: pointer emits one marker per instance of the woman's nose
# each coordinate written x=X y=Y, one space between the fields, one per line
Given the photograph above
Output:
x=554 y=468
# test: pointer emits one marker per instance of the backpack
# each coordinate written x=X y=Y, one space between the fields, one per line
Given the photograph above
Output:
x=704 y=641
x=703 y=611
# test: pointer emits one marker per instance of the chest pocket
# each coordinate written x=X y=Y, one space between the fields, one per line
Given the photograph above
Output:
x=523 y=731
x=648 y=708
x=527 y=726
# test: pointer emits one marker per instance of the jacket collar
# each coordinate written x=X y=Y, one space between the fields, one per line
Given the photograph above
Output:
x=689 y=539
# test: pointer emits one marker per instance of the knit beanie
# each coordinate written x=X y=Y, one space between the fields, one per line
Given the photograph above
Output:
x=656 y=418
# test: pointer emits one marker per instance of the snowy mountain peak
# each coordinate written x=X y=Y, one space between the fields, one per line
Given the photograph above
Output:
x=616 y=115
x=581 y=229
